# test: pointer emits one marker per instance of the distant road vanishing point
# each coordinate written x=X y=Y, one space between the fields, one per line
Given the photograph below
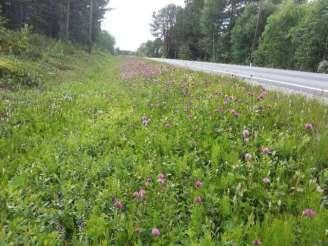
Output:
x=315 y=84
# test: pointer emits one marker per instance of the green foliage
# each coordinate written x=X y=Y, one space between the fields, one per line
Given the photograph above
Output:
x=106 y=42
x=71 y=151
x=237 y=31
x=280 y=232
x=14 y=42
x=27 y=59
x=184 y=53
x=311 y=37
x=2 y=24
x=191 y=29
x=65 y=19
x=16 y=74
x=243 y=32
x=151 y=48
x=162 y=27
x=323 y=67
x=96 y=228
x=211 y=25
x=277 y=37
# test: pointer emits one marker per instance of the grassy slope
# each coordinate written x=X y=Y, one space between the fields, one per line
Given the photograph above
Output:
x=69 y=150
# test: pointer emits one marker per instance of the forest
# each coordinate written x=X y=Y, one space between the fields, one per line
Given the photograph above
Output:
x=288 y=34
x=78 y=21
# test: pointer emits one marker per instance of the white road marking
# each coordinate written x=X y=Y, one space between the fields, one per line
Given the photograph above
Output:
x=270 y=80
x=202 y=68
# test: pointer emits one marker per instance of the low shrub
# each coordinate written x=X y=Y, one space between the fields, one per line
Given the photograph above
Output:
x=323 y=67
x=14 y=74
x=28 y=58
x=16 y=43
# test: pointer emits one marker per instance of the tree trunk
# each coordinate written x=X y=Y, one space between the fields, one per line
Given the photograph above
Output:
x=213 y=48
x=67 y=21
x=256 y=31
x=21 y=14
x=90 y=25
x=326 y=50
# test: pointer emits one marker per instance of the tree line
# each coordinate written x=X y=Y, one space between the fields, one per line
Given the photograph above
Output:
x=71 y=20
x=290 y=34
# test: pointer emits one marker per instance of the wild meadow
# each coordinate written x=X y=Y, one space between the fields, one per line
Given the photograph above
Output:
x=122 y=151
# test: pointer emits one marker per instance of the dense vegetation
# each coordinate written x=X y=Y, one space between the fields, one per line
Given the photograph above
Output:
x=276 y=33
x=114 y=152
x=75 y=20
x=102 y=150
x=28 y=52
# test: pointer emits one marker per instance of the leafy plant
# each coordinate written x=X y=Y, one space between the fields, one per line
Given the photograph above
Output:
x=323 y=67
x=15 y=74
x=118 y=151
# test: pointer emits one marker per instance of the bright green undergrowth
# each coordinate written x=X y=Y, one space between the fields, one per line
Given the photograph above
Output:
x=71 y=150
x=29 y=60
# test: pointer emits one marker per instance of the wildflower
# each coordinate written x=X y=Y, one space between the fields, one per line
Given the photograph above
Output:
x=161 y=178
x=257 y=242
x=308 y=126
x=137 y=230
x=248 y=157
x=155 y=232
x=266 y=151
x=234 y=112
x=309 y=212
x=228 y=99
x=266 y=180
x=262 y=95
x=246 y=133
x=198 y=200
x=145 y=120
x=319 y=189
x=139 y=194
x=198 y=184
x=148 y=181
x=167 y=125
x=118 y=204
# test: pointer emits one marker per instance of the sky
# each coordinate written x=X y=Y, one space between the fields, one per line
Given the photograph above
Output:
x=129 y=21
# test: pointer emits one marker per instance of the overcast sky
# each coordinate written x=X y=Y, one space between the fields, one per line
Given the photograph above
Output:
x=129 y=20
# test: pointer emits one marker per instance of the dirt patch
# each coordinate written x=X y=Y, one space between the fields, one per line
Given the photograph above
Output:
x=132 y=68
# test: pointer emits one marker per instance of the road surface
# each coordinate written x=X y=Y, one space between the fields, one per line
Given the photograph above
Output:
x=314 y=84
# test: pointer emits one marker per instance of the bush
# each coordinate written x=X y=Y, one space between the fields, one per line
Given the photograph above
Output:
x=14 y=74
x=105 y=41
x=16 y=43
x=184 y=53
x=323 y=67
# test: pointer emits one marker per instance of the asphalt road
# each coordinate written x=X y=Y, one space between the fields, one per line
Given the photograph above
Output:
x=315 y=84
